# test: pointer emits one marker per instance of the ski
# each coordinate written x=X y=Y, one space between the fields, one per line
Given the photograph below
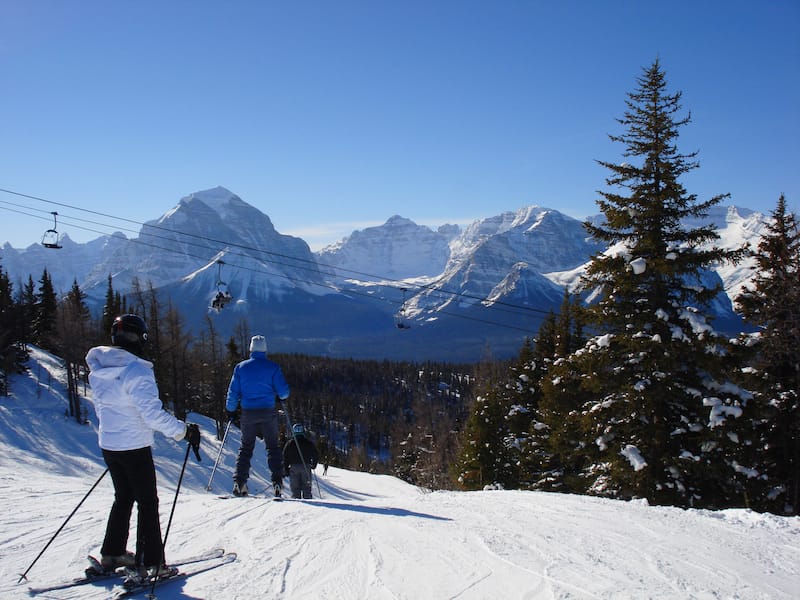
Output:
x=231 y=496
x=94 y=576
x=136 y=588
x=257 y=494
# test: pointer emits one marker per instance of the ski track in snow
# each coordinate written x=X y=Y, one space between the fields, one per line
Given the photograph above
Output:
x=369 y=536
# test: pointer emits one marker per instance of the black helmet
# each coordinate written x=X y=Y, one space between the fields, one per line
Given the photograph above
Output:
x=129 y=332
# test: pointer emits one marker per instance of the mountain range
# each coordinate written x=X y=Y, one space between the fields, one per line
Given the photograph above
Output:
x=398 y=291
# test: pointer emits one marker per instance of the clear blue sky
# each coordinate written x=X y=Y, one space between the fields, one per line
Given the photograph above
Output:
x=331 y=116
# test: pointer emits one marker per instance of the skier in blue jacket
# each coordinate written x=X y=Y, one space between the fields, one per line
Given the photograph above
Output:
x=255 y=385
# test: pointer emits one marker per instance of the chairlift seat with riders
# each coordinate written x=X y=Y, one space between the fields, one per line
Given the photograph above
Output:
x=50 y=239
x=400 y=320
x=221 y=295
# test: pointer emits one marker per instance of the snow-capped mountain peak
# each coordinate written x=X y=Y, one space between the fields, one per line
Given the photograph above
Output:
x=398 y=249
x=505 y=272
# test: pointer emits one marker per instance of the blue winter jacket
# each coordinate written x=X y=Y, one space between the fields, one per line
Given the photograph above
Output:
x=255 y=383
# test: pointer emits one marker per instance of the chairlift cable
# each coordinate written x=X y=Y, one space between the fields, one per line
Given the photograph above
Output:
x=431 y=287
x=494 y=305
x=314 y=264
x=330 y=286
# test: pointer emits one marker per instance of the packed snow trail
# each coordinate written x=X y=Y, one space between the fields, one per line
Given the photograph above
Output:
x=372 y=536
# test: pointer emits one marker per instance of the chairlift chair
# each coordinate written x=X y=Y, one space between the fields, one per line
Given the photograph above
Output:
x=400 y=320
x=50 y=237
x=221 y=296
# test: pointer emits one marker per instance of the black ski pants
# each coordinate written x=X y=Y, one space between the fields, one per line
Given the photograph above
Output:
x=134 y=477
x=300 y=481
x=262 y=422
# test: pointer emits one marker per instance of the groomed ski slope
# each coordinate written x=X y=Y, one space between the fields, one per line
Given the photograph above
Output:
x=369 y=536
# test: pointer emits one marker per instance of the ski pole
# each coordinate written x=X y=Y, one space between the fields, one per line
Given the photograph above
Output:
x=23 y=576
x=219 y=454
x=171 y=513
x=175 y=500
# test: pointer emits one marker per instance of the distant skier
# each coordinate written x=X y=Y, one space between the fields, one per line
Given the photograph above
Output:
x=295 y=452
x=128 y=407
x=255 y=385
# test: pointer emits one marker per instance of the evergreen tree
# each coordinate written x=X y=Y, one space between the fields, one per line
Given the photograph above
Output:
x=112 y=308
x=772 y=304
x=76 y=300
x=27 y=310
x=44 y=324
x=6 y=309
x=405 y=460
x=488 y=458
x=647 y=395
x=8 y=316
x=550 y=446
x=508 y=435
x=522 y=388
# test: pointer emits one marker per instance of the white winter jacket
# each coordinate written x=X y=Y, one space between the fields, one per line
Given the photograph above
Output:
x=126 y=400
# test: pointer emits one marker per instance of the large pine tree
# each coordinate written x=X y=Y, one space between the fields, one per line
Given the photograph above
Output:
x=772 y=304
x=651 y=398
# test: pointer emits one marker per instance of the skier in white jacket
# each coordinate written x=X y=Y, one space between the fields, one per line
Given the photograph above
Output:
x=129 y=409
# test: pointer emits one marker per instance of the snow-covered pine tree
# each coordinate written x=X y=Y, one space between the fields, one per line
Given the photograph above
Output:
x=488 y=457
x=649 y=392
x=505 y=440
x=521 y=392
x=772 y=303
x=549 y=446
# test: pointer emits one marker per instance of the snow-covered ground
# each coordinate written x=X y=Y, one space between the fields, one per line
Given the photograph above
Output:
x=368 y=536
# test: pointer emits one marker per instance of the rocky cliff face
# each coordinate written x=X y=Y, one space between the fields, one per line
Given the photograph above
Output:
x=398 y=249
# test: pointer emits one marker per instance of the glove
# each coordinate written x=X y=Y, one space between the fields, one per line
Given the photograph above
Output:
x=233 y=417
x=193 y=437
